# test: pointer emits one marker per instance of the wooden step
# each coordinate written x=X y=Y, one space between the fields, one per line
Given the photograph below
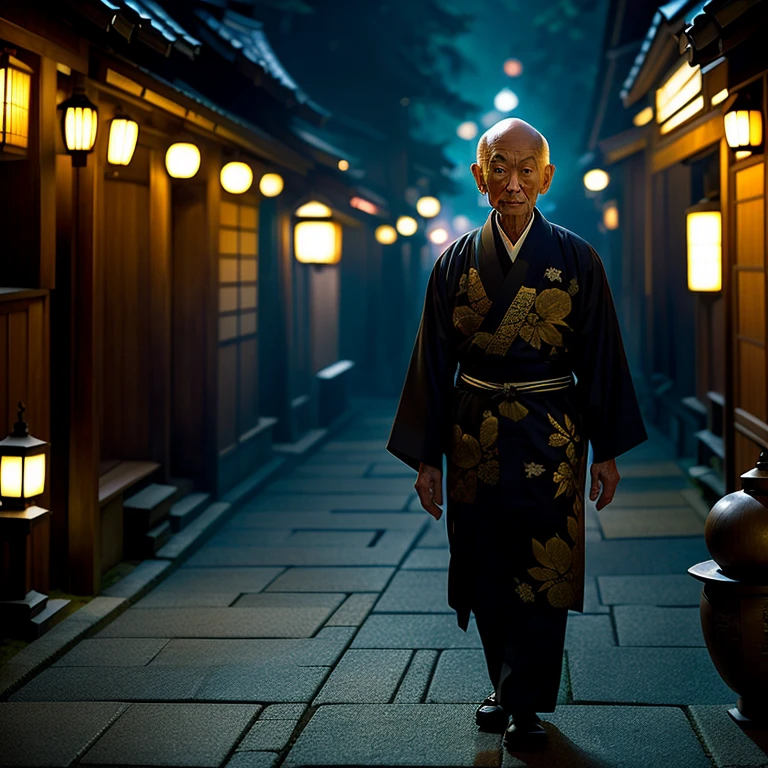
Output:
x=121 y=475
x=147 y=508
x=188 y=509
x=51 y=615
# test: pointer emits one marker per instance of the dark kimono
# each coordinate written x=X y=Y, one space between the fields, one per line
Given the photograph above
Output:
x=516 y=458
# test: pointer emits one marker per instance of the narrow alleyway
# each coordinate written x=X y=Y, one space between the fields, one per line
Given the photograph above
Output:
x=313 y=629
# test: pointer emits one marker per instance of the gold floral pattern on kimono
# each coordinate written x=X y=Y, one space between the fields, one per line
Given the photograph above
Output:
x=498 y=343
x=467 y=319
x=474 y=458
x=573 y=286
x=552 y=306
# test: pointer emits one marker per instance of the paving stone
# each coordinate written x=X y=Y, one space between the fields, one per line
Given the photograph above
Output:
x=252 y=760
x=353 y=446
x=172 y=734
x=308 y=502
x=355 y=457
x=331 y=538
x=384 y=486
x=416 y=592
x=51 y=734
x=365 y=676
x=679 y=676
x=414 y=685
x=649 y=625
x=322 y=650
x=592 y=602
x=632 y=469
x=218 y=622
x=427 y=559
x=177 y=599
x=353 y=610
x=112 y=684
x=435 y=534
x=270 y=537
x=729 y=746
x=349 y=579
x=629 y=522
x=669 y=589
x=267 y=735
x=650 y=484
x=405 y=735
x=187 y=539
x=340 y=470
x=589 y=632
x=218 y=580
x=415 y=631
x=647 y=499
x=386 y=469
x=615 y=737
x=695 y=498
x=144 y=574
x=397 y=520
x=269 y=682
x=327 y=601
x=635 y=557
x=117 y=652
x=283 y=712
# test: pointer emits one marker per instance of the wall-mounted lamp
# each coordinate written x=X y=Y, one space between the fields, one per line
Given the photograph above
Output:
x=182 y=160
x=271 y=184
x=743 y=122
x=428 y=207
x=123 y=135
x=704 y=237
x=79 y=124
x=15 y=86
x=236 y=177
x=385 y=234
x=316 y=238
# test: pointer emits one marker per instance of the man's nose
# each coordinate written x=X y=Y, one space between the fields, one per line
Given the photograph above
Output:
x=513 y=185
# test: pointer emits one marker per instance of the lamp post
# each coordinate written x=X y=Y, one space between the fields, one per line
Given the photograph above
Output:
x=79 y=125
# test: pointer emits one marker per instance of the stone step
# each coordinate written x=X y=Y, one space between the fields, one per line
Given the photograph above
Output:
x=147 y=508
x=183 y=485
x=188 y=509
x=145 y=545
x=51 y=615
x=30 y=605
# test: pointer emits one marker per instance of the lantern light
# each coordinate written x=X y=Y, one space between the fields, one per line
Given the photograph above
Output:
x=406 y=225
x=596 y=180
x=611 y=215
x=439 y=236
x=271 y=184
x=467 y=130
x=123 y=135
x=428 y=207
x=364 y=205
x=704 y=237
x=740 y=154
x=236 y=177
x=79 y=124
x=182 y=160
x=22 y=466
x=513 y=68
x=385 y=234
x=506 y=100
x=343 y=165
x=316 y=239
x=743 y=126
x=643 y=117
x=15 y=86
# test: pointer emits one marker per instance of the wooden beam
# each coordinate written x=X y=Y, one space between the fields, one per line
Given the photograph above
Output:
x=16 y=35
x=702 y=133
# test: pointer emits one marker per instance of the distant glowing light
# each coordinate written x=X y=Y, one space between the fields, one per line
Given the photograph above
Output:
x=271 y=184
x=407 y=226
x=364 y=205
x=513 y=68
x=611 y=215
x=182 y=160
x=643 y=117
x=428 y=207
x=343 y=165
x=467 y=130
x=596 y=180
x=505 y=100
x=462 y=223
x=236 y=177
x=313 y=209
x=385 y=234
x=490 y=118
x=438 y=236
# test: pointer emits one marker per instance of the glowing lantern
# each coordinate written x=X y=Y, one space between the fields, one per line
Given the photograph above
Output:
x=182 y=160
x=15 y=85
x=236 y=177
x=123 y=135
x=385 y=234
x=438 y=236
x=505 y=100
x=596 y=180
x=316 y=239
x=406 y=225
x=704 y=236
x=513 y=68
x=743 y=126
x=428 y=207
x=22 y=467
x=467 y=130
x=343 y=165
x=271 y=184
x=79 y=124
x=611 y=215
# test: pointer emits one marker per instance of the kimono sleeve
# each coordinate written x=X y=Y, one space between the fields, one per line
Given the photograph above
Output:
x=605 y=391
x=421 y=422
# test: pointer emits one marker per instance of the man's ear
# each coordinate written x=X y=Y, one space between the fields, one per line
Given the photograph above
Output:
x=549 y=172
x=477 y=172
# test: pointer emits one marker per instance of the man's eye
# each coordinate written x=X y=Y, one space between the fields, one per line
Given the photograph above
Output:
x=527 y=170
x=498 y=169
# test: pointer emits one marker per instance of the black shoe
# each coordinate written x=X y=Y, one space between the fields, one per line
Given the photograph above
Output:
x=525 y=731
x=491 y=716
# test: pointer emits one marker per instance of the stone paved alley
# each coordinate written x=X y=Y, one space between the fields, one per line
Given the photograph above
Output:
x=312 y=628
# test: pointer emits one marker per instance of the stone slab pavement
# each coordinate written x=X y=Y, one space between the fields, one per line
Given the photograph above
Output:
x=313 y=628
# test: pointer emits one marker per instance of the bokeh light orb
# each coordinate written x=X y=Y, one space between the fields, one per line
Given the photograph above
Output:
x=467 y=130
x=385 y=234
x=182 y=160
x=513 y=68
x=491 y=118
x=439 y=235
x=428 y=207
x=271 y=184
x=343 y=165
x=461 y=223
x=596 y=180
x=236 y=177
x=407 y=226
x=506 y=100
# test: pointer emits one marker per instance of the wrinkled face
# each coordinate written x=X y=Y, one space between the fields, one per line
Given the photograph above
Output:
x=514 y=173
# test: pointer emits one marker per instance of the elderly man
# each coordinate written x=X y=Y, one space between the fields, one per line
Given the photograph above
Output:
x=519 y=306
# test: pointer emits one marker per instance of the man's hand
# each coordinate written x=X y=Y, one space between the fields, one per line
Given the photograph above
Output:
x=604 y=472
x=429 y=486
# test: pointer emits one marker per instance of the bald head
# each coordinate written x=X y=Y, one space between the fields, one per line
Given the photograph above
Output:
x=515 y=129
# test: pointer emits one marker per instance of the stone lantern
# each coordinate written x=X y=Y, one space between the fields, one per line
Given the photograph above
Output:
x=734 y=598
